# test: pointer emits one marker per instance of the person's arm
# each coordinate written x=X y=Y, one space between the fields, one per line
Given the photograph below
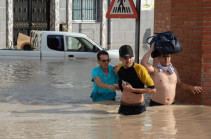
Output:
x=129 y=88
x=145 y=60
x=99 y=83
x=115 y=69
x=184 y=86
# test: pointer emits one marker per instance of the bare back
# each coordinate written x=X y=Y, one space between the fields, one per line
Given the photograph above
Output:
x=165 y=84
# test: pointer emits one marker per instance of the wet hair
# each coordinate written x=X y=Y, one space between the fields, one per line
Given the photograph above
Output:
x=102 y=52
x=160 y=54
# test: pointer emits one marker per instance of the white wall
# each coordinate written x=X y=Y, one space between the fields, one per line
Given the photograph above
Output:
x=3 y=24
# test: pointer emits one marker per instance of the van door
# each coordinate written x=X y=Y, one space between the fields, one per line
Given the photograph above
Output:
x=55 y=46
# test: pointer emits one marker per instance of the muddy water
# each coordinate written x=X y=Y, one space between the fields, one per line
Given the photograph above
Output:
x=50 y=99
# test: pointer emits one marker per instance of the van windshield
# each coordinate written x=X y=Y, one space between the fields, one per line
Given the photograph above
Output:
x=79 y=44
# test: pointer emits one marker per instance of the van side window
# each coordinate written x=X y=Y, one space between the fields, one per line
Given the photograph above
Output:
x=78 y=44
x=55 y=42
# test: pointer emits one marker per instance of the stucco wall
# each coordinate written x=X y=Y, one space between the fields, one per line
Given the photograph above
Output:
x=92 y=30
x=2 y=24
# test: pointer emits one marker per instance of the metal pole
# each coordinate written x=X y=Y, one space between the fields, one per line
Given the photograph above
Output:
x=137 y=31
x=109 y=29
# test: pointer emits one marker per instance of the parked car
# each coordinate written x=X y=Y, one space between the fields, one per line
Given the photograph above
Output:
x=54 y=44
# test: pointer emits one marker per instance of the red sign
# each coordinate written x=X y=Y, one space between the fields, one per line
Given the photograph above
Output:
x=122 y=9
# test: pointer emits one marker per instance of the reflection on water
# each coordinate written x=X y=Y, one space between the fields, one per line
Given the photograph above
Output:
x=50 y=99
x=46 y=81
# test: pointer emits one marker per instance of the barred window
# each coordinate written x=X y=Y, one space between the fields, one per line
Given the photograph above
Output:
x=84 y=10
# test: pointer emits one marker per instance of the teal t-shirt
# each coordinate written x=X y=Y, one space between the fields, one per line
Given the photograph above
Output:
x=98 y=93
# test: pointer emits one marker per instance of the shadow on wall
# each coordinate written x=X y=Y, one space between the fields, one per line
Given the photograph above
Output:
x=147 y=34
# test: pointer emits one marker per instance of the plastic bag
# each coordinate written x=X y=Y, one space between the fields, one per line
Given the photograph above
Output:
x=165 y=43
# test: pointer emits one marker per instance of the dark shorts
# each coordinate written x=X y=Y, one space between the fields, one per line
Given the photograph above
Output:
x=153 y=103
x=131 y=110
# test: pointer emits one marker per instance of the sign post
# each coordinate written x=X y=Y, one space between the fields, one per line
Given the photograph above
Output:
x=137 y=32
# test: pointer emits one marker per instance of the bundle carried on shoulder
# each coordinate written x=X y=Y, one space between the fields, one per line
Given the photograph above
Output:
x=165 y=43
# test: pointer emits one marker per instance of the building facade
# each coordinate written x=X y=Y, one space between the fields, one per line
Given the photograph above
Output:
x=84 y=16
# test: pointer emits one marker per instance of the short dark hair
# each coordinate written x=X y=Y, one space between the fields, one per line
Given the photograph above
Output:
x=161 y=54
x=102 y=52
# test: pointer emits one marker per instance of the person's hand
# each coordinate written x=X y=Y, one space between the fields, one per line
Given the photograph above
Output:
x=196 y=89
x=111 y=87
x=116 y=87
x=127 y=87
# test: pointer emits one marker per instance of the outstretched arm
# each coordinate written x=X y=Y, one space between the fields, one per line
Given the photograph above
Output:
x=145 y=60
x=103 y=85
x=184 y=86
x=129 y=88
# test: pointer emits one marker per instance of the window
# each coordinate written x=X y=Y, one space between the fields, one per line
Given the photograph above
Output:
x=55 y=42
x=84 y=10
x=79 y=45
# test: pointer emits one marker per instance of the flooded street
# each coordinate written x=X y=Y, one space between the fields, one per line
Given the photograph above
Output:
x=50 y=99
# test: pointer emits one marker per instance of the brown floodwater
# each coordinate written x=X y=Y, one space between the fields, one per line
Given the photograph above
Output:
x=49 y=99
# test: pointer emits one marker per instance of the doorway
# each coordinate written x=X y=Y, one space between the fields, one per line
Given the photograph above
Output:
x=30 y=15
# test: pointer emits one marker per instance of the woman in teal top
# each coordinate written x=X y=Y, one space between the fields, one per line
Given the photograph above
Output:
x=103 y=78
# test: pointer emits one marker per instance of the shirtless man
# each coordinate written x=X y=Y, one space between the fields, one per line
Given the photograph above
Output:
x=132 y=78
x=166 y=78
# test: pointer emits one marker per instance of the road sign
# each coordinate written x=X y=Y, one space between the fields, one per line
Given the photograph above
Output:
x=122 y=9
